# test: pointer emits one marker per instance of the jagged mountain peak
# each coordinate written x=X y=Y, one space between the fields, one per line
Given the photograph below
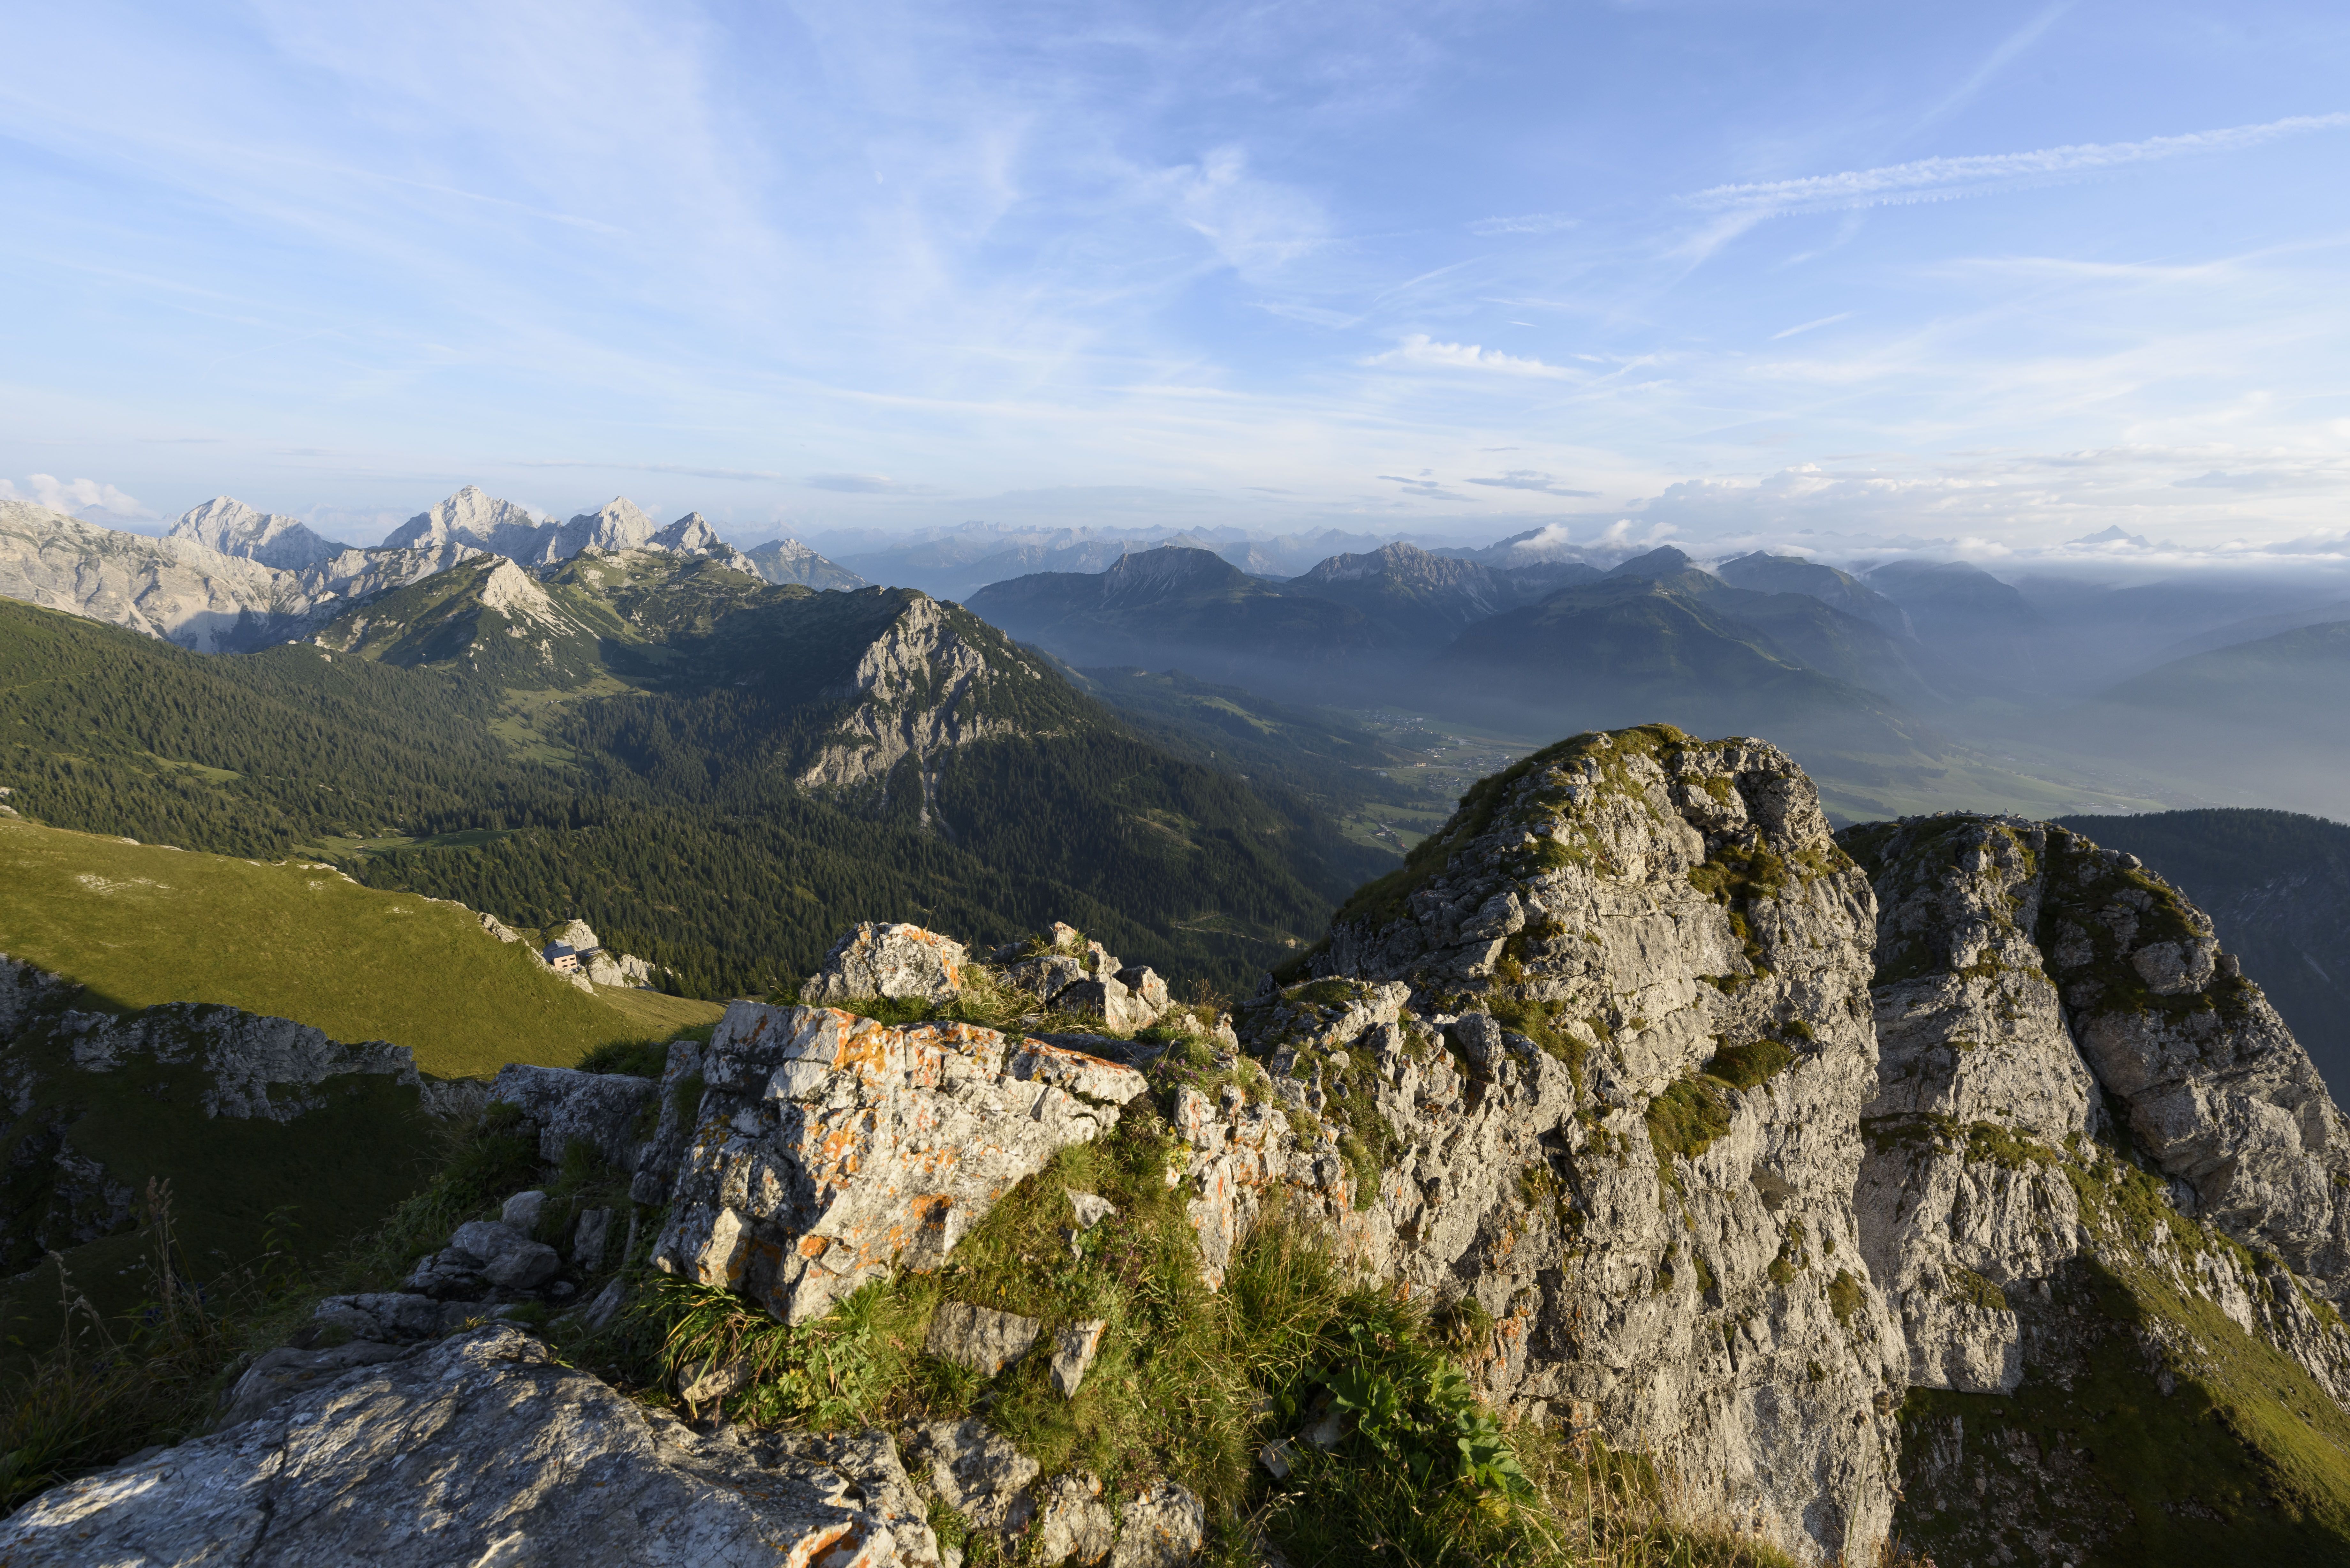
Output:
x=228 y=525
x=471 y=516
x=618 y=524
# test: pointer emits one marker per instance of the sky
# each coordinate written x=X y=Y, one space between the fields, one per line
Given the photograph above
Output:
x=1991 y=276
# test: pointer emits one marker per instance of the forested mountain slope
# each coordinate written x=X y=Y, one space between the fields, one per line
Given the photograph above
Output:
x=714 y=772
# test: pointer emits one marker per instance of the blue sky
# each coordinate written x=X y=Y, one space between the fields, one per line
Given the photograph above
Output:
x=1996 y=274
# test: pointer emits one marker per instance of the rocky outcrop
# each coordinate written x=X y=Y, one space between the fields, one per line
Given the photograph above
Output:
x=828 y=1149
x=1067 y=971
x=481 y=1448
x=1974 y=1061
x=2215 y=1087
x=692 y=534
x=2090 y=1148
x=892 y=959
x=600 y=1110
x=1593 y=1062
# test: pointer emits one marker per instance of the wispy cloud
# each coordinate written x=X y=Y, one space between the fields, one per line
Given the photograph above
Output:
x=1525 y=223
x=1934 y=179
x=1998 y=60
x=1808 y=325
x=660 y=468
x=864 y=484
x=1420 y=348
x=1529 y=479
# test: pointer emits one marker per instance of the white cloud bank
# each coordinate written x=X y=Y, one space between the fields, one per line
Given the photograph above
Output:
x=101 y=502
x=1420 y=349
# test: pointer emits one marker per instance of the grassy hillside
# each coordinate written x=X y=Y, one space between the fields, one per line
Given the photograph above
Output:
x=139 y=924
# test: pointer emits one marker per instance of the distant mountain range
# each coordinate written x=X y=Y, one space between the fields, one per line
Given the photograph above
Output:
x=228 y=578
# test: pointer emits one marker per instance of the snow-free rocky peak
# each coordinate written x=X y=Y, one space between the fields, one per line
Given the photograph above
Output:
x=232 y=528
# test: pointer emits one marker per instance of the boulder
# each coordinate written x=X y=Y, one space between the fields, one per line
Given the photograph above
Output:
x=829 y=1148
x=479 y=1449
x=981 y=1339
x=1073 y=1349
x=1108 y=1000
x=978 y=1473
x=576 y=935
x=598 y=1109
x=1073 y=1524
x=1163 y=1528
x=285 y=1372
x=1144 y=985
x=588 y=1239
x=891 y=959
x=521 y=1211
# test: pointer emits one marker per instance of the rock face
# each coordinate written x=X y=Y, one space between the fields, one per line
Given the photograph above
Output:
x=600 y=1109
x=480 y=1449
x=888 y=960
x=916 y=691
x=232 y=528
x=828 y=1149
x=2096 y=1161
x=1595 y=1059
x=692 y=534
x=784 y=561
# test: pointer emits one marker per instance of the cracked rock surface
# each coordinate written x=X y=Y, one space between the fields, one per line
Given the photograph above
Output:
x=828 y=1149
x=478 y=1449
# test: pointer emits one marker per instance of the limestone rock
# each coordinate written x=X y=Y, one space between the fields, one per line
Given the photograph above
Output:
x=181 y=589
x=285 y=1372
x=2215 y=1086
x=588 y=1238
x=232 y=528
x=1163 y=1528
x=386 y=1317
x=600 y=1109
x=981 y=1339
x=521 y=1211
x=1970 y=1035
x=1073 y=1524
x=913 y=694
x=1074 y=1348
x=892 y=959
x=1637 y=1145
x=681 y=1102
x=978 y=1473
x=1071 y=974
x=712 y=1379
x=829 y=1148
x=2004 y=1213
x=473 y=1451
